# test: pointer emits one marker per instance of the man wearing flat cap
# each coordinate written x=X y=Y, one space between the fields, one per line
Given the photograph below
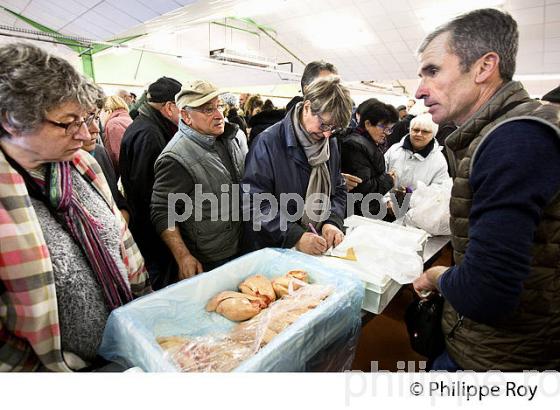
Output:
x=203 y=161
x=142 y=143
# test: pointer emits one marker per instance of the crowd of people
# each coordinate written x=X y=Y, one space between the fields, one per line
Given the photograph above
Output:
x=76 y=243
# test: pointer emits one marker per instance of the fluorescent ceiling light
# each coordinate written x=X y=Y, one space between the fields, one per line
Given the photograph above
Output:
x=334 y=31
x=241 y=57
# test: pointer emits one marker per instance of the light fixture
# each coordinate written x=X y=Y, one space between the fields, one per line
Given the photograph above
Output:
x=241 y=57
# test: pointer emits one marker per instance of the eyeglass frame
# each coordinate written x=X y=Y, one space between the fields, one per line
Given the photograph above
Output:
x=78 y=123
x=208 y=111
x=385 y=128
x=333 y=129
x=422 y=132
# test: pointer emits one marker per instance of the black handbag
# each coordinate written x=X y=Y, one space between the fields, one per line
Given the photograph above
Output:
x=423 y=322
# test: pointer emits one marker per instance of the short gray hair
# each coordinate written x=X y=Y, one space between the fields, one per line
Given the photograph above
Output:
x=33 y=82
x=328 y=95
x=479 y=32
x=425 y=121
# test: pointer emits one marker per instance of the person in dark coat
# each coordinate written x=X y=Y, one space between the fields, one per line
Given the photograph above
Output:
x=297 y=157
x=261 y=121
x=362 y=157
x=142 y=143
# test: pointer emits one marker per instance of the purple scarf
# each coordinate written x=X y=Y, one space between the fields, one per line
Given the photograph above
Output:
x=85 y=231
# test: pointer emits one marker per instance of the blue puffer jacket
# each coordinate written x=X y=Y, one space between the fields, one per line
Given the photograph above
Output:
x=277 y=164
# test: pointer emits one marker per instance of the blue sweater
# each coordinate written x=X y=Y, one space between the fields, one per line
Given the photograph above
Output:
x=515 y=174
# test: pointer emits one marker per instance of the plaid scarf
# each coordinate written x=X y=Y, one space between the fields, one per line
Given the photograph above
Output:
x=55 y=190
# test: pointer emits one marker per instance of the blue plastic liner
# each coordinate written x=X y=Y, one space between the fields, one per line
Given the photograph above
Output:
x=323 y=339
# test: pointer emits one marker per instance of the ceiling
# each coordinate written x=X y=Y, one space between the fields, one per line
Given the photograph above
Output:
x=367 y=40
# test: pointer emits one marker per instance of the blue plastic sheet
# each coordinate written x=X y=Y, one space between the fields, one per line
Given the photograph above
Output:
x=323 y=339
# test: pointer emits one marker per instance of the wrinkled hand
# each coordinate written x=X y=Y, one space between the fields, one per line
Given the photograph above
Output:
x=352 y=181
x=332 y=235
x=393 y=174
x=189 y=266
x=428 y=280
x=312 y=244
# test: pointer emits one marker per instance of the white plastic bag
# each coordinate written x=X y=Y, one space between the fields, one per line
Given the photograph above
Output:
x=429 y=208
x=383 y=250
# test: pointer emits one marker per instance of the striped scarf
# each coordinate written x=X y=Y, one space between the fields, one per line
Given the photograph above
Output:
x=56 y=192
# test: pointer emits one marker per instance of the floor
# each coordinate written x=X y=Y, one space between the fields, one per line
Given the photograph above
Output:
x=383 y=344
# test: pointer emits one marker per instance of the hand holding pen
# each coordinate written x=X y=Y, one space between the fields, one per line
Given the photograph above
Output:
x=312 y=243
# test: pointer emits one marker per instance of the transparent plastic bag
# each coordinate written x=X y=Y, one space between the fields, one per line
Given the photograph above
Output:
x=429 y=208
x=223 y=353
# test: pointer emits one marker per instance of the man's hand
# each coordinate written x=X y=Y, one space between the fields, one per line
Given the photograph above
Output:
x=427 y=281
x=312 y=244
x=352 y=181
x=332 y=235
x=189 y=266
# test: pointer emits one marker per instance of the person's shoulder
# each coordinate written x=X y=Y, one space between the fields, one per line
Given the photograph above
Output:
x=522 y=141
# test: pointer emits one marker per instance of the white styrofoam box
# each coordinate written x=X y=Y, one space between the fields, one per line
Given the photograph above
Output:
x=179 y=309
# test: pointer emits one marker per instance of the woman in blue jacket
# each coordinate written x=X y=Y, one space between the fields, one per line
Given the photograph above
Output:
x=292 y=175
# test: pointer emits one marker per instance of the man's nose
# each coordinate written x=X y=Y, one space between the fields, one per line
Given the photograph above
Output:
x=421 y=91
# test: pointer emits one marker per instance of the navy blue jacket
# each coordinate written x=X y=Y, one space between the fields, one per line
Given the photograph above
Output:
x=277 y=164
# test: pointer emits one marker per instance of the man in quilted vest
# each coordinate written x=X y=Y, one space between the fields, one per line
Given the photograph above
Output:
x=502 y=298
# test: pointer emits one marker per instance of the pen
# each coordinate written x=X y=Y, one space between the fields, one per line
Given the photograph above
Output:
x=313 y=229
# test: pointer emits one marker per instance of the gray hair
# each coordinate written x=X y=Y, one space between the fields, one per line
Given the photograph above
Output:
x=33 y=82
x=312 y=71
x=425 y=121
x=479 y=32
x=328 y=95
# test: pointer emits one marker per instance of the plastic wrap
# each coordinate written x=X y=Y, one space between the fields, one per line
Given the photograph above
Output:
x=429 y=208
x=131 y=331
x=382 y=250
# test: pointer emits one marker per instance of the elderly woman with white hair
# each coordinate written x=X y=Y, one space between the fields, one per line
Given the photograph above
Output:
x=417 y=156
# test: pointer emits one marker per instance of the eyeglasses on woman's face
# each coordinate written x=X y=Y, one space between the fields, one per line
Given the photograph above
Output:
x=417 y=130
x=332 y=128
x=73 y=127
x=386 y=128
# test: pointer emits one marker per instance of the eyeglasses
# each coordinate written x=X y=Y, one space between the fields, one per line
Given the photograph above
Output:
x=419 y=131
x=208 y=111
x=73 y=127
x=327 y=127
x=387 y=129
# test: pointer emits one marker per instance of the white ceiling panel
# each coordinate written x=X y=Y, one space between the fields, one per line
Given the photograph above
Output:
x=552 y=30
x=365 y=38
x=534 y=15
x=552 y=13
x=160 y=6
x=523 y=4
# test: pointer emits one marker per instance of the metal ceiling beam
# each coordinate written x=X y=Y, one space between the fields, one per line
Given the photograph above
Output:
x=84 y=47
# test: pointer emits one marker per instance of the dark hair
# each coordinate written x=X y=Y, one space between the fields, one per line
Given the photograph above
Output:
x=377 y=112
x=312 y=71
x=268 y=105
x=479 y=32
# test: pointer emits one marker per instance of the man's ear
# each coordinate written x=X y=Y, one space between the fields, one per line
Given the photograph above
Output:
x=186 y=117
x=487 y=67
